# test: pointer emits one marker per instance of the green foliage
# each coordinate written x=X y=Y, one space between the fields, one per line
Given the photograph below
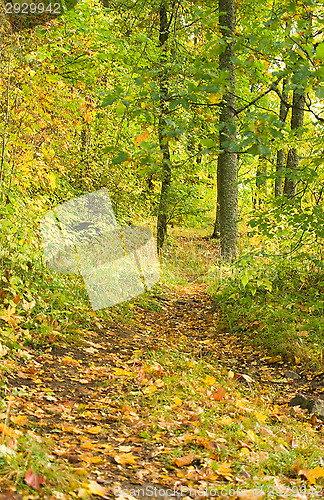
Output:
x=274 y=302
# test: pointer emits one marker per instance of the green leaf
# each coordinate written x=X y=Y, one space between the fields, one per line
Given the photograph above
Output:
x=209 y=143
x=120 y=109
x=120 y=158
x=320 y=51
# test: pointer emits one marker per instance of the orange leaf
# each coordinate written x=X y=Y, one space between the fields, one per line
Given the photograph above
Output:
x=180 y=461
x=6 y=431
x=34 y=480
x=19 y=420
x=219 y=394
x=141 y=138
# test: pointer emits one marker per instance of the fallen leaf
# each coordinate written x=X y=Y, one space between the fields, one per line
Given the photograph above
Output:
x=119 y=372
x=125 y=459
x=252 y=435
x=6 y=431
x=225 y=471
x=311 y=474
x=247 y=378
x=34 y=480
x=19 y=419
x=208 y=380
x=264 y=431
x=205 y=442
x=225 y=421
x=8 y=315
x=97 y=489
x=94 y=430
x=274 y=359
x=186 y=460
x=125 y=449
x=219 y=394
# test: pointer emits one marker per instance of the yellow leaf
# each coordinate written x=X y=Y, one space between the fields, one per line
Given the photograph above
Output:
x=150 y=389
x=225 y=471
x=312 y=474
x=97 y=489
x=141 y=138
x=252 y=435
x=177 y=401
x=225 y=421
x=230 y=374
x=208 y=380
x=274 y=359
x=92 y=459
x=120 y=372
x=260 y=417
x=215 y=97
x=94 y=430
x=297 y=360
x=8 y=315
x=125 y=459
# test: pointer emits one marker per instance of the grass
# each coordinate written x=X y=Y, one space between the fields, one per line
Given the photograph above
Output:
x=284 y=314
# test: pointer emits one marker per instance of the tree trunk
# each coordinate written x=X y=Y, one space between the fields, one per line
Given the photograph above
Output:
x=163 y=142
x=280 y=153
x=216 y=232
x=260 y=183
x=297 y=121
x=227 y=161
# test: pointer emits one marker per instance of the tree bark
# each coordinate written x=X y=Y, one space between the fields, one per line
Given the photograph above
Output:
x=227 y=161
x=297 y=121
x=280 y=153
x=162 y=218
x=216 y=232
x=260 y=183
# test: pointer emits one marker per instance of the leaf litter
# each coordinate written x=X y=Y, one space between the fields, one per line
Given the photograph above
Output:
x=168 y=401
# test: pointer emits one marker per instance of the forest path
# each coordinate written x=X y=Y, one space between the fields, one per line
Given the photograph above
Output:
x=97 y=400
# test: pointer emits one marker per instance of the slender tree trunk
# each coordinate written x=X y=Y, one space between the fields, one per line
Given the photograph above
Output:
x=297 y=121
x=216 y=232
x=280 y=153
x=260 y=183
x=227 y=161
x=162 y=218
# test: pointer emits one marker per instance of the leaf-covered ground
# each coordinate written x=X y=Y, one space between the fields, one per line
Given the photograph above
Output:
x=169 y=405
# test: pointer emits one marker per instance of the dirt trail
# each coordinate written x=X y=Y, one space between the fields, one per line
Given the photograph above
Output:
x=77 y=395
